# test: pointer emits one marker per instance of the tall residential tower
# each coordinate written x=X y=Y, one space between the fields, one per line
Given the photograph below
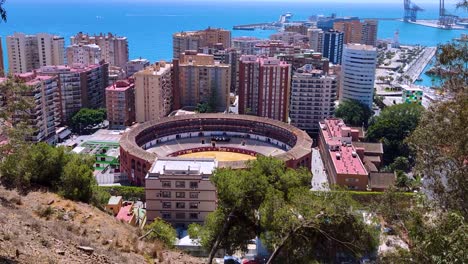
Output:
x=264 y=87
x=358 y=73
x=153 y=92
x=30 y=52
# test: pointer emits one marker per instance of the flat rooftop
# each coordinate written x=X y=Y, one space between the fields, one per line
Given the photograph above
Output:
x=357 y=46
x=188 y=166
x=342 y=152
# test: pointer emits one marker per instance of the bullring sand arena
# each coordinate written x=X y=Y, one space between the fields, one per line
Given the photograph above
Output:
x=219 y=155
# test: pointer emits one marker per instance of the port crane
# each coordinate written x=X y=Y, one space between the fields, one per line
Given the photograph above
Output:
x=446 y=20
x=411 y=11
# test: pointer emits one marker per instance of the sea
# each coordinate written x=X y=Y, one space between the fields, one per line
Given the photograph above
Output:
x=149 y=24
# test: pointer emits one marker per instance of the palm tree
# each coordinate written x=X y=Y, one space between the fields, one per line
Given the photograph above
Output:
x=3 y=14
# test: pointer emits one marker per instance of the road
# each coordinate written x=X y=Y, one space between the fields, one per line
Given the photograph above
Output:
x=319 y=179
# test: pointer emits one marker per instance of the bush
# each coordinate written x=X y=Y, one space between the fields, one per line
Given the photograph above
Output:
x=162 y=231
x=77 y=181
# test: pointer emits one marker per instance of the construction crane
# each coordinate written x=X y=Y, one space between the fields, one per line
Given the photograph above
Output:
x=411 y=11
x=446 y=20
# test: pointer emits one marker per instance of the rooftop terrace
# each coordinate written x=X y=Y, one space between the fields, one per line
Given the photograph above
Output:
x=343 y=154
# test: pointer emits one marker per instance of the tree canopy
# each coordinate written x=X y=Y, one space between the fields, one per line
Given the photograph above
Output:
x=54 y=168
x=392 y=127
x=87 y=117
x=436 y=227
x=273 y=202
x=162 y=231
x=353 y=112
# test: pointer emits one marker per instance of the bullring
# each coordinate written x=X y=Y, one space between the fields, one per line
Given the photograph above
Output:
x=179 y=135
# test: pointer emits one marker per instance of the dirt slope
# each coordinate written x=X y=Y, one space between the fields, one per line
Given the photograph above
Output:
x=45 y=228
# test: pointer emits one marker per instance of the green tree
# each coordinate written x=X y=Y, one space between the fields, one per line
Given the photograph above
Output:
x=313 y=226
x=14 y=114
x=392 y=127
x=353 y=113
x=87 y=117
x=401 y=163
x=77 y=179
x=436 y=227
x=39 y=165
x=161 y=231
x=265 y=201
x=201 y=108
x=441 y=139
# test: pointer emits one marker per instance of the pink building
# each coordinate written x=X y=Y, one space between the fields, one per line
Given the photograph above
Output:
x=264 y=87
x=341 y=159
x=120 y=104
x=81 y=86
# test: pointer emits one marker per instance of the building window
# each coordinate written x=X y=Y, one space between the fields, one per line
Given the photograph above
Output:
x=180 y=205
x=180 y=184
x=166 y=194
x=180 y=216
x=166 y=205
x=194 y=195
x=193 y=185
x=193 y=205
x=180 y=194
x=166 y=215
x=193 y=215
x=166 y=184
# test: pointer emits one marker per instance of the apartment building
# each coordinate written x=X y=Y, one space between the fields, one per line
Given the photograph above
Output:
x=264 y=87
x=358 y=73
x=153 y=92
x=333 y=46
x=120 y=104
x=304 y=57
x=246 y=45
x=313 y=98
x=179 y=190
x=29 y=52
x=81 y=86
x=114 y=49
x=83 y=54
x=135 y=66
x=356 y=31
x=45 y=114
x=341 y=159
x=271 y=48
x=289 y=37
x=315 y=36
x=194 y=40
x=198 y=78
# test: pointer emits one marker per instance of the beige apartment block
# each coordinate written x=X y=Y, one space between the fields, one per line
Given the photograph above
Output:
x=179 y=190
x=114 y=49
x=195 y=40
x=201 y=79
x=153 y=92
x=83 y=54
x=30 y=52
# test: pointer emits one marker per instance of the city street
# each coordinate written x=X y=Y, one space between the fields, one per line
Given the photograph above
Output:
x=319 y=179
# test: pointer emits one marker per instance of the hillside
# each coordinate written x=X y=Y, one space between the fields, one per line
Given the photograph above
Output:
x=45 y=228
